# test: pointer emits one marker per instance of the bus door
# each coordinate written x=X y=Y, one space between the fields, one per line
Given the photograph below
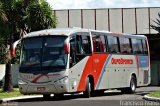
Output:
x=80 y=54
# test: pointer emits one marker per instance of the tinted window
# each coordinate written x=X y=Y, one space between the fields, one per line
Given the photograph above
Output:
x=80 y=47
x=99 y=44
x=145 y=50
x=72 y=52
x=45 y=52
x=32 y=43
x=102 y=44
x=125 y=46
x=96 y=47
x=83 y=44
x=53 y=52
x=137 y=46
x=113 y=44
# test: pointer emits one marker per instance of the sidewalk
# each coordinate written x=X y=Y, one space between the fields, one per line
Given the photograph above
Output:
x=146 y=97
x=19 y=98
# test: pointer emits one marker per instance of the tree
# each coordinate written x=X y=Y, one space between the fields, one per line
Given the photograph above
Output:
x=2 y=13
x=157 y=26
x=18 y=17
x=43 y=18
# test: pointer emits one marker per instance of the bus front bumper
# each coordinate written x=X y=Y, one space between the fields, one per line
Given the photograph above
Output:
x=52 y=88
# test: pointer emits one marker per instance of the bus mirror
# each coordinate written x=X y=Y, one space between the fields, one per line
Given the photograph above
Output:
x=13 y=50
x=66 y=48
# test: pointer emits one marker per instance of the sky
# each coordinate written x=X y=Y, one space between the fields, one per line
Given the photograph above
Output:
x=94 y=4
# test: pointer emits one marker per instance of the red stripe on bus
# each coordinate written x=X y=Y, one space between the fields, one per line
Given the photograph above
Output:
x=38 y=77
x=93 y=67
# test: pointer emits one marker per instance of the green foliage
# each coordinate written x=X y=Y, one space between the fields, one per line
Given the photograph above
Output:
x=15 y=93
x=22 y=16
x=157 y=22
x=2 y=13
x=43 y=18
x=18 y=17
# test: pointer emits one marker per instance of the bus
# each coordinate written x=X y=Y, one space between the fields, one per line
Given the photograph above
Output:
x=72 y=60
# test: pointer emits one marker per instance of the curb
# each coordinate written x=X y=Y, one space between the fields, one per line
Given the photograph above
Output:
x=19 y=98
x=146 y=97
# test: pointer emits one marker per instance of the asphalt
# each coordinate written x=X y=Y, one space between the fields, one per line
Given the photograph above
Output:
x=5 y=100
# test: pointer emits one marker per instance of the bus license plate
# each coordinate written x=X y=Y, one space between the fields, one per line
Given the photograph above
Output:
x=41 y=88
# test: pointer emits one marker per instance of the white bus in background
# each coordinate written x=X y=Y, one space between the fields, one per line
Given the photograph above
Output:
x=70 y=60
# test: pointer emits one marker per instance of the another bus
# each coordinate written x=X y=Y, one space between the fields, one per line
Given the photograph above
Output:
x=70 y=60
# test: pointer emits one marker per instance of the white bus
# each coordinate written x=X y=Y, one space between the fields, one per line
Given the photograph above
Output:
x=70 y=60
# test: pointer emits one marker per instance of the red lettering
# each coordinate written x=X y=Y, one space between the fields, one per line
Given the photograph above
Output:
x=121 y=61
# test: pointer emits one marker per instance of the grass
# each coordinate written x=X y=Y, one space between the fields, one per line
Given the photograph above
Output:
x=15 y=93
x=155 y=94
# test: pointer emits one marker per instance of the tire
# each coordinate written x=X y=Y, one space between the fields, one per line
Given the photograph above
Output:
x=132 y=87
x=87 y=92
x=46 y=96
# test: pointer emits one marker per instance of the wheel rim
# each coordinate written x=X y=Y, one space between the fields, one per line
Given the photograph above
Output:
x=133 y=86
x=89 y=87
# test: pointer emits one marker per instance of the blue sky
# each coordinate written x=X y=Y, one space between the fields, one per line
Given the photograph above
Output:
x=93 y=4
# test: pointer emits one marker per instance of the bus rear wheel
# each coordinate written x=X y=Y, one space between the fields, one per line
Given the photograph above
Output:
x=133 y=84
x=132 y=87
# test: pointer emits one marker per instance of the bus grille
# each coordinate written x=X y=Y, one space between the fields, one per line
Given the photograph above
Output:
x=145 y=76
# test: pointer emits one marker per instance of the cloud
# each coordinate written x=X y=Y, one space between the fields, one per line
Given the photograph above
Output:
x=92 y=4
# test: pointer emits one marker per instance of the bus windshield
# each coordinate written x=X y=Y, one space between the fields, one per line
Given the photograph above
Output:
x=44 y=52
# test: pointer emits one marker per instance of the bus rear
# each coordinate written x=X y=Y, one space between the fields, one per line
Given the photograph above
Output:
x=43 y=68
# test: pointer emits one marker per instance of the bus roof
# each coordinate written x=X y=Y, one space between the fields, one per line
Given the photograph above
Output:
x=55 y=31
x=68 y=31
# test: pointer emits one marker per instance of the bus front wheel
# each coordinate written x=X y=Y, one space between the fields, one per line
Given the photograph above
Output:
x=87 y=92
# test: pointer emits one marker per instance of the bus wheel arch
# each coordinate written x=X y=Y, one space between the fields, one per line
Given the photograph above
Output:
x=134 y=75
x=132 y=85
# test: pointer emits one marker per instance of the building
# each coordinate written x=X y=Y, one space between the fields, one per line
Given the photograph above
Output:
x=122 y=20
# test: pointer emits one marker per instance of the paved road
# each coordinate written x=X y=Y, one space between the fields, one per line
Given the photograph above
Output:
x=115 y=98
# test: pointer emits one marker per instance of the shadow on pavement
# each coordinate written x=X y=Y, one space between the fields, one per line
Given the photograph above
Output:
x=67 y=97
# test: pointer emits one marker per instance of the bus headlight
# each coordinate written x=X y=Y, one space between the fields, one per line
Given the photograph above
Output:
x=62 y=80
x=21 y=82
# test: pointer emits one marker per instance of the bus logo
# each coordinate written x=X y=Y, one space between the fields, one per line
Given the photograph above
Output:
x=121 y=61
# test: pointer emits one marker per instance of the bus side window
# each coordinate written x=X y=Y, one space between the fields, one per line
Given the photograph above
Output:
x=83 y=44
x=96 y=43
x=137 y=46
x=99 y=43
x=125 y=46
x=72 y=53
x=145 y=50
x=113 y=44
x=102 y=42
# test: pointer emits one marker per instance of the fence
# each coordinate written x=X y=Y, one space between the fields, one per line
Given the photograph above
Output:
x=14 y=72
